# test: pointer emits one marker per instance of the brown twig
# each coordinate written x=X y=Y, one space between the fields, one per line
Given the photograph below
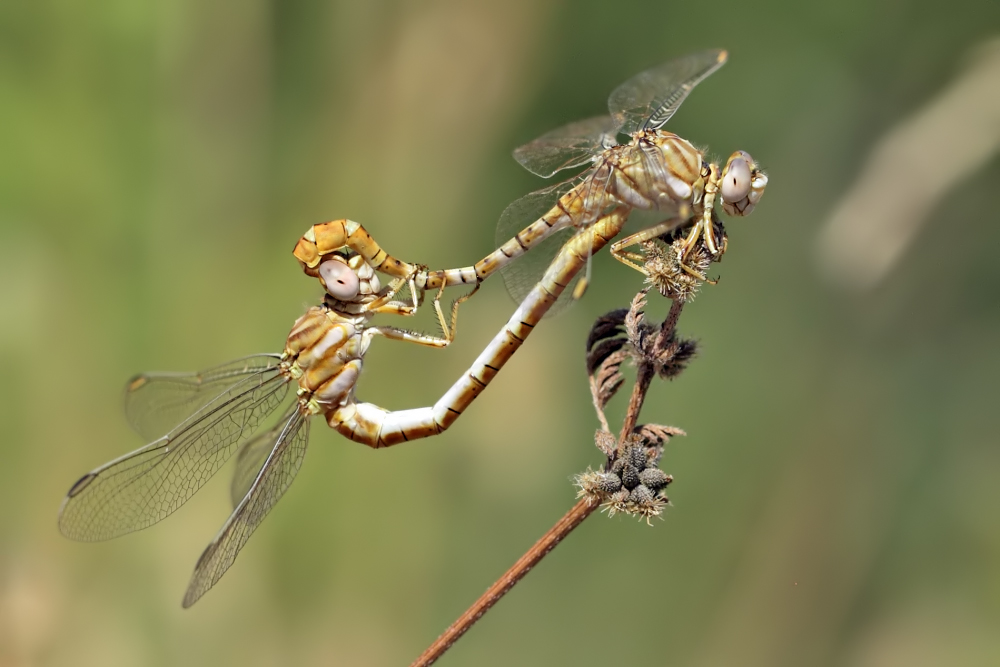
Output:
x=583 y=508
x=647 y=370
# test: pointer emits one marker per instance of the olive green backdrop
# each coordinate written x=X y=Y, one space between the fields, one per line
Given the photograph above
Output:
x=835 y=502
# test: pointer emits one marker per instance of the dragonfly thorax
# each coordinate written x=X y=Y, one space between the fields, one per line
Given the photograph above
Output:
x=657 y=170
x=325 y=350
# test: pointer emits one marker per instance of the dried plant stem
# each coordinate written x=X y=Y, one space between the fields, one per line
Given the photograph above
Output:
x=583 y=508
x=646 y=372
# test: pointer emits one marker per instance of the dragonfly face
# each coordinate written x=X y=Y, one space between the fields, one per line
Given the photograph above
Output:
x=348 y=279
x=743 y=184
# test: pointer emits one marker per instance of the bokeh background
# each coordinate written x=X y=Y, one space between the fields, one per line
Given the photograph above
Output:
x=836 y=500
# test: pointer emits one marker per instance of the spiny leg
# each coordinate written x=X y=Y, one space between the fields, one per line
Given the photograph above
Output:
x=704 y=227
x=384 y=299
x=631 y=259
x=424 y=339
x=450 y=331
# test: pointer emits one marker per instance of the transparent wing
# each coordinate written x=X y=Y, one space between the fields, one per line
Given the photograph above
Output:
x=569 y=146
x=250 y=459
x=650 y=98
x=590 y=201
x=145 y=486
x=521 y=275
x=276 y=475
x=157 y=402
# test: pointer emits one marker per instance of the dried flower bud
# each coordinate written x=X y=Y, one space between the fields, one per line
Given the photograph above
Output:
x=606 y=442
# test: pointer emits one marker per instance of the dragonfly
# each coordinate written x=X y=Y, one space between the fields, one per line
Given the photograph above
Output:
x=653 y=170
x=195 y=422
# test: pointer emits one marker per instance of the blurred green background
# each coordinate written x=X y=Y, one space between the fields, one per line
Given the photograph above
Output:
x=835 y=502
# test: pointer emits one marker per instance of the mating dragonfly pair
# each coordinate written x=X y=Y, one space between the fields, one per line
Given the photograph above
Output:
x=195 y=422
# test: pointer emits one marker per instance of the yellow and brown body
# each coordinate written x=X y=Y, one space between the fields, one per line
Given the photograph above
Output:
x=327 y=237
x=656 y=170
x=324 y=352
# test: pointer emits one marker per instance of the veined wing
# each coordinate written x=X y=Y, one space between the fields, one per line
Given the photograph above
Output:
x=157 y=402
x=589 y=200
x=572 y=145
x=279 y=469
x=521 y=275
x=145 y=486
x=250 y=459
x=650 y=98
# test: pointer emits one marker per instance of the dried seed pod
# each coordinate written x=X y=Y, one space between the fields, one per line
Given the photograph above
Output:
x=630 y=476
x=641 y=496
x=654 y=478
x=609 y=483
x=636 y=455
x=617 y=467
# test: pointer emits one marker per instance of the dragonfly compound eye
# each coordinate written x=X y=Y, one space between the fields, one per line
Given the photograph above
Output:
x=340 y=281
x=736 y=181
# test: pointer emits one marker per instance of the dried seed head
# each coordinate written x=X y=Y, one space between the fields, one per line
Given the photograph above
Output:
x=664 y=271
x=597 y=484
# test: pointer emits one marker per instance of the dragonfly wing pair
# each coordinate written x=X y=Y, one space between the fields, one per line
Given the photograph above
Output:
x=215 y=413
x=650 y=98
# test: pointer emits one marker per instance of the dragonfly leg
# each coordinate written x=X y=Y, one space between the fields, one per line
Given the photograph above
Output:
x=448 y=327
x=690 y=242
x=705 y=226
x=632 y=259
x=385 y=304
x=328 y=237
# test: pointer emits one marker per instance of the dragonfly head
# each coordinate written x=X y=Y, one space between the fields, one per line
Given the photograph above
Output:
x=349 y=279
x=742 y=184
